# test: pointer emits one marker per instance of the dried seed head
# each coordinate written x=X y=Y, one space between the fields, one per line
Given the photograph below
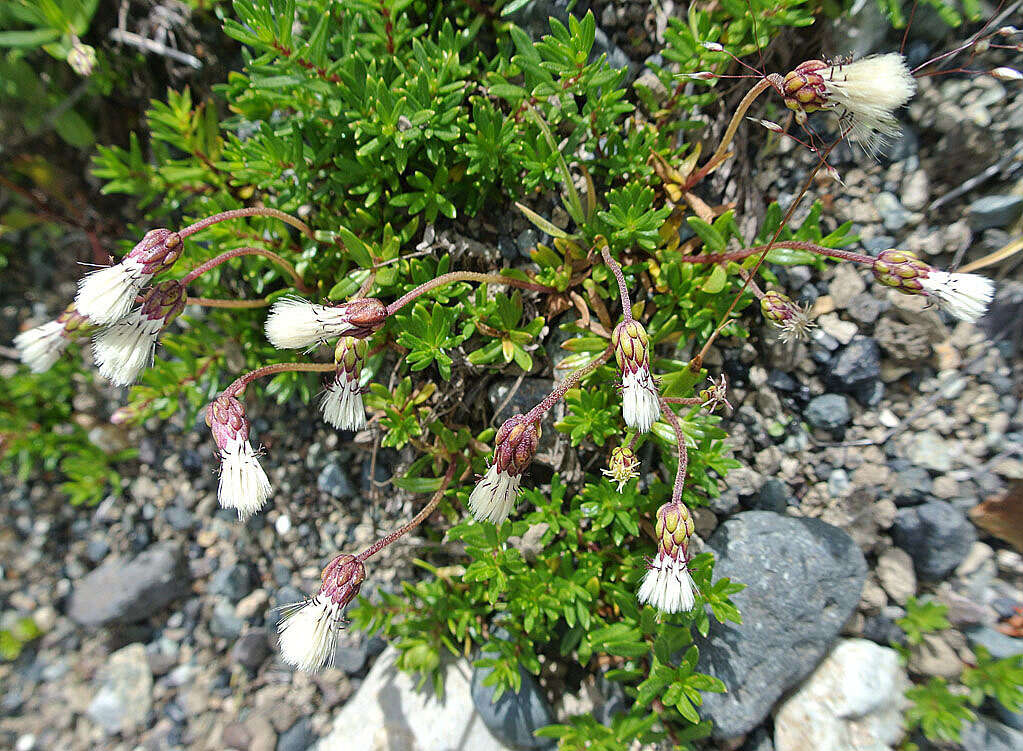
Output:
x=793 y=320
x=621 y=466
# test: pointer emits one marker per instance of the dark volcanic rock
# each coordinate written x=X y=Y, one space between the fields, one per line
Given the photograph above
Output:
x=127 y=591
x=513 y=718
x=936 y=534
x=803 y=580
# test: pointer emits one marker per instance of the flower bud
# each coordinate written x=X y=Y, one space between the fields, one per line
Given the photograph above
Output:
x=308 y=630
x=494 y=496
x=243 y=483
x=716 y=395
x=640 y=398
x=342 y=404
x=621 y=466
x=124 y=349
x=964 y=296
x=804 y=90
x=81 y=58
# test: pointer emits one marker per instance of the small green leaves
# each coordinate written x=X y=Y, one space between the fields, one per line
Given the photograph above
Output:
x=630 y=218
x=590 y=414
x=937 y=711
x=503 y=320
x=923 y=617
x=429 y=331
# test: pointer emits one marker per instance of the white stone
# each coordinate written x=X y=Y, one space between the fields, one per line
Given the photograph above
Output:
x=895 y=571
x=388 y=714
x=125 y=697
x=853 y=701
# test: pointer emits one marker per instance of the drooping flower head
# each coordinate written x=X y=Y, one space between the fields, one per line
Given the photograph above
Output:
x=667 y=585
x=125 y=348
x=793 y=320
x=964 y=296
x=243 y=483
x=640 y=405
x=864 y=93
x=295 y=323
x=341 y=404
x=106 y=295
x=621 y=466
x=494 y=496
x=308 y=630
x=40 y=347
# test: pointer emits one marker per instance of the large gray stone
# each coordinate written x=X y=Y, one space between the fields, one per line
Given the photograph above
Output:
x=936 y=534
x=125 y=695
x=515 y=716
x=803 y=580
x=127 y=591
x=987 y=735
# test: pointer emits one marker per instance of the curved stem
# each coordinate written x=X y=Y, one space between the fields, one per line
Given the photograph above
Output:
x=248 y=211
x=722 y=150
x=753 y=286
x=696 y=363
x=210 y=302
x=281 y=367
x=738 y=255
x=418 y=519
x=570 y=381
x=462 y=276
x=616 y=269
x=248 y=251
x=683 y=453
x=687 y=401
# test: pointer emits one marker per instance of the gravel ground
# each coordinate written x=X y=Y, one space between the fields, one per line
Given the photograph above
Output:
x=893 y=424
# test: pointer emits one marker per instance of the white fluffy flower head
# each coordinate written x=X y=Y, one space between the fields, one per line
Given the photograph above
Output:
x=40 y=347
x=106 y=295
x=308 y=631
x=965 y=296
x=865 y=93
x=342 y=405
x=667 y=585
x=124 y=349
x=493 y=497
x=640 y=398
x=295 y=323
x=243 y=483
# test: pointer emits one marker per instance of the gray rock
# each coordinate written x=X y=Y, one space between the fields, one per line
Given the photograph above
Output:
x=121 y=591
x=998 y=644
x=125 y=696
x=893 y=214
x=910 y=485
x=298 y=737
x=994 y=211
x=352 y=658
x=513 y=718
x=929 y=450
x=773 y=496
x=803 y=580
x=828 y=412
x=856 y=368
x=251 y=649
x=987 y=735
x=936 y=535
x=759 y=740
x=333 y=481
x=233 y=582
x=224 y=623
x=179 y=518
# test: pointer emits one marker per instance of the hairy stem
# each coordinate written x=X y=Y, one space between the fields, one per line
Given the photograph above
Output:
x=616 y=269
x=570 y=381
x=683 y=453
x=688 y=401
x=418 y=519
x=249 y=211
x=462 y=276
x=738 y=255
x=722 y=150
x=248 y=251
x=210 y=302
x=281 y=367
